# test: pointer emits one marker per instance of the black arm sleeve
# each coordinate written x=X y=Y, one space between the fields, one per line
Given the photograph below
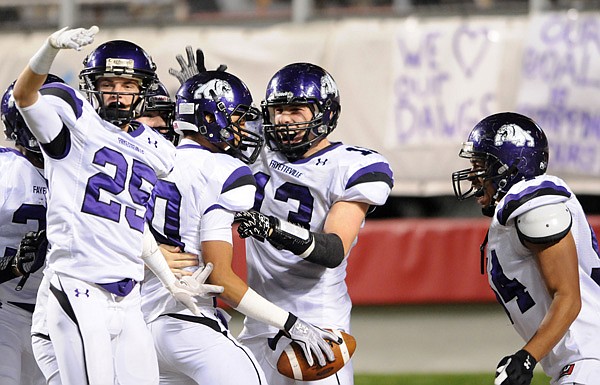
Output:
x=325 y=249
x=328 y=251
x=59 y=145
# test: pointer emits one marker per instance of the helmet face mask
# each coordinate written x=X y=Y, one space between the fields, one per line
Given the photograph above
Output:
x=218 y=106
x=159 y=103
x=469 y=182
x=300 y=84
x=118 y=107
x=505 y=149
x=117 y=60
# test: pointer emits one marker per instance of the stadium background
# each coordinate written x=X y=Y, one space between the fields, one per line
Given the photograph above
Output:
x=414 y=77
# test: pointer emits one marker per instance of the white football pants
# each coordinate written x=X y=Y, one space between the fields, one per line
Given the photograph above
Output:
x=99 y=338
x=583 y=372
x=17 y=364
x=190 y=352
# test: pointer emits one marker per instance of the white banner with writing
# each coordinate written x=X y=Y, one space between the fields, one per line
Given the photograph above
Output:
x=411 y=88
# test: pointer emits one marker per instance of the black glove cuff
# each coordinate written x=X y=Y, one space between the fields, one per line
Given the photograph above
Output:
x=290 y=322
x=527 y=359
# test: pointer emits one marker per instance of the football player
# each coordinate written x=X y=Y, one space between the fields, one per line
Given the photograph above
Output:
x=194 y=209
x=23 y=211
x=159 y=110
x=311 y=201
x=542 y=255
x=100 y=174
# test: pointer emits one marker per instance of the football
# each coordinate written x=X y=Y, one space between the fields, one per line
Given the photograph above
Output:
x=293 y=364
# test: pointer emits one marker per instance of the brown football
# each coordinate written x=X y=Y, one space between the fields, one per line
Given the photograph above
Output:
x=293 y=364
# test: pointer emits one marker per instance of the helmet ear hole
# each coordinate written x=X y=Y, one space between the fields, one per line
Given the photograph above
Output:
x=208 y=100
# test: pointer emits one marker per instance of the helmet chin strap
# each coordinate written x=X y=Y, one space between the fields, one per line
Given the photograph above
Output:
x=499 y=185
x=489 y=210
x=116 y=116
x=505 y=173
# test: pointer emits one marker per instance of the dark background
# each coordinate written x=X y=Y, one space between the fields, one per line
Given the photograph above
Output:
x=448 y=206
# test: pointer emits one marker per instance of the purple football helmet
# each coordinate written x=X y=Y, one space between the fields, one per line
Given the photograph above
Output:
x=117 y=58
x=218 y=105
x=15 y=127
x=159 y=102
x=300 y=84
x=511 y=146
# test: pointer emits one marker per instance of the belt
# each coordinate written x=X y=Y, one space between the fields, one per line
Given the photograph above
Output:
x=120 y=288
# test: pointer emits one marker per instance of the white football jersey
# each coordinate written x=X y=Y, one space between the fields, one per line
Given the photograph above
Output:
x=302 y=192
x=200 y=183
x=22 y=209
x=516 y=278
x=98 y=191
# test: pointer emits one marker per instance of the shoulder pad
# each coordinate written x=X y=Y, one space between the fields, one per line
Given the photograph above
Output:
x=531 y=194
x=544 y=224
x=67 y=94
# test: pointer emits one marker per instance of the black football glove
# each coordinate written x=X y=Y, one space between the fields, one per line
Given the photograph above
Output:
x=193 y=66
x=31 y=255
x=516 y=369
x=254 y=224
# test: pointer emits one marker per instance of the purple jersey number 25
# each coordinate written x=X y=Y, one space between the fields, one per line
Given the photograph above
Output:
x=115 y=186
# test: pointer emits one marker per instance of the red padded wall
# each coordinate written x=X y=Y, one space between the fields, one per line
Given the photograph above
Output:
x=399 y=261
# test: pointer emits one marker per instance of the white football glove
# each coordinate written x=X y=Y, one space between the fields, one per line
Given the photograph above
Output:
x=193 y=66
x=313 y=339
x=65 y=38
x=73 y=38
x=186 y=289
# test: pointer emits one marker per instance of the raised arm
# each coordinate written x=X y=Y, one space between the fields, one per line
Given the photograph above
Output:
x=44 y=123
x=33 y=76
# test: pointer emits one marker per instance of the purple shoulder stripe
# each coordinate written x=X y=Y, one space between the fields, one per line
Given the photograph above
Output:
x=213 y=207
x=65 y=93
x=14 y=151
x=240 y=177
x=376 y=172
x=513 y=201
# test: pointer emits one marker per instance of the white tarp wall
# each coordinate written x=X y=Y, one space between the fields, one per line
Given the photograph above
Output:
x=411 y=88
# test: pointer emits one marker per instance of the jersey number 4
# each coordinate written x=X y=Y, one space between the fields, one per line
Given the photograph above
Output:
x=507 y=289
